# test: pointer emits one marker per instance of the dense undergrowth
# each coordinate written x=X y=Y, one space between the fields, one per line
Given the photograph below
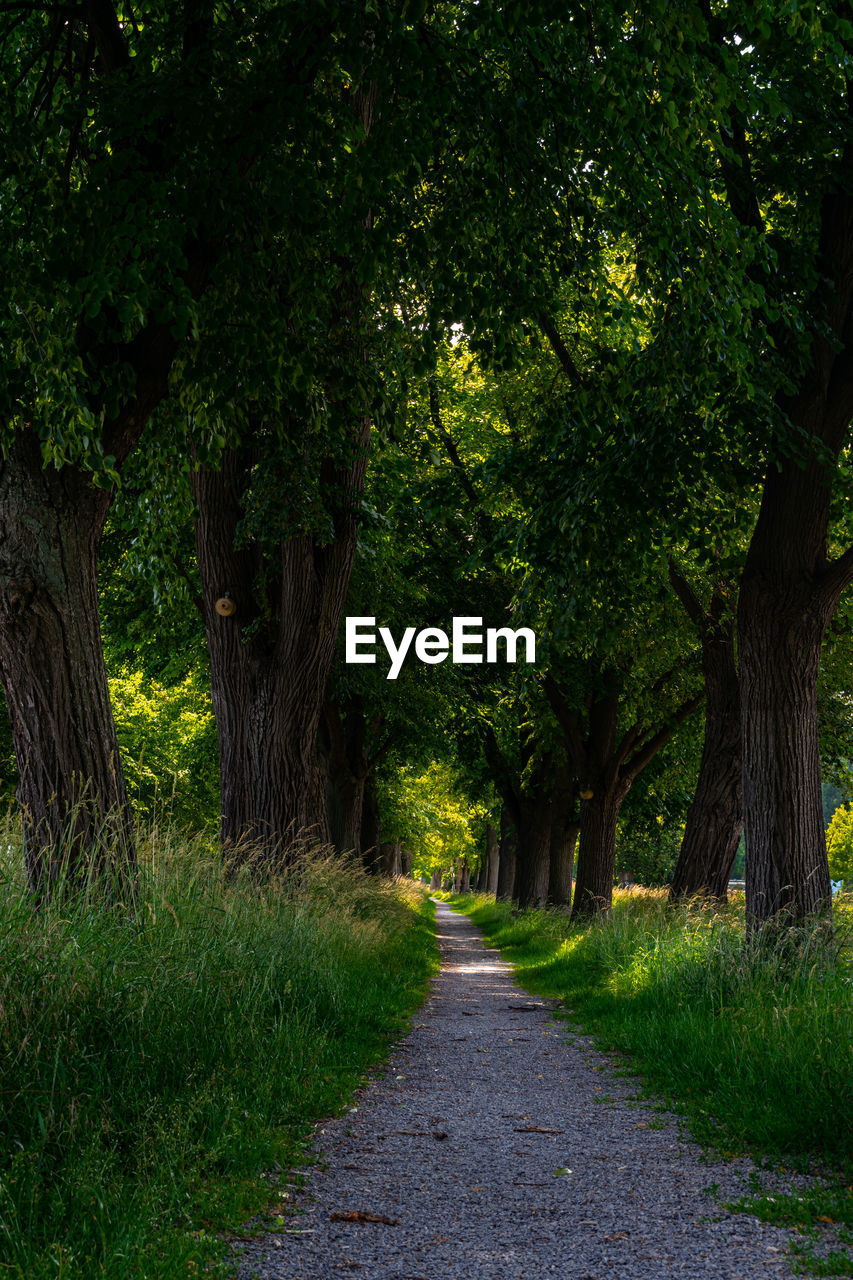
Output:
x=754 y=1042
x=152 y=1069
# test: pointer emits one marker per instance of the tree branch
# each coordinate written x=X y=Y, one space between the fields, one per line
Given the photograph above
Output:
x=106 y=31
x=503 y=777
x=196 y=599
x=568 y=722
x=737 y=168
x=650 y=748
x=686 y=595
x=379 y=756
x=560 y=350
x=837 y=575
x=450 y=448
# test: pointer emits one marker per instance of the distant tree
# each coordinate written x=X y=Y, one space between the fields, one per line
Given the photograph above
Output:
x=839 y=842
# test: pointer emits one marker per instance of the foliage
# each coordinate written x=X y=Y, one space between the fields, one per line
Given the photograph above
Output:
x=167 y=736
x=839 y=844
x=431 y=812
x=151 y=1068
x=833 y=797
x=651 y=822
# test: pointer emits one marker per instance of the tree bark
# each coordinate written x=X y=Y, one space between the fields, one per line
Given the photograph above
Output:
x=564 y=843
x=342 y=748
x=435 y=880
x=606 y=765
x=271 y=658
x=533 y=851
x=780 y=632
x=71 y=786
x=390 y=860
x=565 y=826
x=597 y=850
x=494 y=865
x=350 y=754
x=790 y=588
x=269 y=665
x=505 y=888
x=714 y=823
x=370 y=827
x=491 y=860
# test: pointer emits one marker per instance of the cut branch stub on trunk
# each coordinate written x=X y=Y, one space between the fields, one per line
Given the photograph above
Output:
x=270 y=659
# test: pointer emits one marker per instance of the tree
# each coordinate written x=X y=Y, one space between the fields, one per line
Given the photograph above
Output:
x=430 y=813
x=791 y=582
x=607 y=758
x=565 y=829
x=714 y=823
x=839 y=840
x=131 y=142
x=524 y=777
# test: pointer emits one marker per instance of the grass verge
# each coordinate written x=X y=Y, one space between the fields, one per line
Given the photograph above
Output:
x=753 y=1044
x=152 y=1070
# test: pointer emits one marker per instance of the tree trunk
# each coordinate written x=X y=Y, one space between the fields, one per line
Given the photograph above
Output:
x=790 y=587
x=269 y=665
x=533 y=852
x=271 y=657
x=597 y=851
x=342 y=750
x=344 y=804
x=465 y=878
x=350 y=753
x=491 y=862
x=370 y=827
x=715 y=818
x=606 y=766
x=565 y=826
x=71 y=786
x=507 y=859
x=780 y=637
x=390 y=854
x=564 y=842
x=435 y=880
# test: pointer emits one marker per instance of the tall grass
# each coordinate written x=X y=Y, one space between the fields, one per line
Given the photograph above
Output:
x=755 y=1040
x=151 y=1068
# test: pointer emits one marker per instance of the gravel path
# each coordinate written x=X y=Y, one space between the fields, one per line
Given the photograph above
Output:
x=502 y=1146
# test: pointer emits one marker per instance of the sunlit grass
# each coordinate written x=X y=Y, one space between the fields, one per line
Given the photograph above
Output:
x=151 y=1068
x=752 y=1041
x=756 y=1039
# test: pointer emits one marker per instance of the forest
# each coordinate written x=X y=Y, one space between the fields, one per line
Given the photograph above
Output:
x=402 y=314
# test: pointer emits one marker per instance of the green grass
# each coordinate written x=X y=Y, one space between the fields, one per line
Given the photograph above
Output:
x=151 y=1071
x=754 y=1044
